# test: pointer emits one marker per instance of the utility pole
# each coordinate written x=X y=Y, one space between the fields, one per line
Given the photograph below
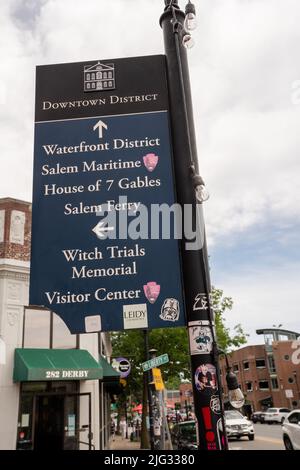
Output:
x=186 y=409
x=155 y=407
x=126 y=417
x=190 y=188
x=149 y=391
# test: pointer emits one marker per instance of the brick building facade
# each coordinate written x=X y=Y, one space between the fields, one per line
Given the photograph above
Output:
x=268 y=374
x=15 y=229
x=186 y=395
x=80 y=408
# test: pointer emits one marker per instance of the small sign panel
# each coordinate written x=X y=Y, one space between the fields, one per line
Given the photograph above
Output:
x=157 y=379
x=289 y=393
x=122 y=365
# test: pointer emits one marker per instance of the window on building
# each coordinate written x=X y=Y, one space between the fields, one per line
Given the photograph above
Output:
x=286 y=357
x=61 y=336
x=88 y=76
x=102 y=346
x=290 y=380
x=246 y=365
x=274 y=383
x=110 y=83
x=93 y=76
x=236 y=367
x=260 y=363
x=263 y=385
x=269 y=338
x=45 y=329
x=93 y=85
x=249 y=386
x=105 y=75
x=173 y=394
x=36 y=328
x=283 y=337
x=271 y=363
x=109 y=74
x=88 y=85
x=99 y=75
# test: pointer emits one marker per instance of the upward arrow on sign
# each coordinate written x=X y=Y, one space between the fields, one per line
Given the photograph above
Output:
x=100 y=125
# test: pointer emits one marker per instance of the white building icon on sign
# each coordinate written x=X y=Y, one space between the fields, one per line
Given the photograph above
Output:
x=99 y=77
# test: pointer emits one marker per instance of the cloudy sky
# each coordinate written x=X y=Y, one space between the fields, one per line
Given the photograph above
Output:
x=245 y=74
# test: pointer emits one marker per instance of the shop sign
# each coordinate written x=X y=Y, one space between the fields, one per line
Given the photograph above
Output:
x=66 y=374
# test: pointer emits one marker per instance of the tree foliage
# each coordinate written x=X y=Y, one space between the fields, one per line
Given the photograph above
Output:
x=227 y=340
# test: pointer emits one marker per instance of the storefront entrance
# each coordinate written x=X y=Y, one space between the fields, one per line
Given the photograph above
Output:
x=49 y=417
x=49 y=422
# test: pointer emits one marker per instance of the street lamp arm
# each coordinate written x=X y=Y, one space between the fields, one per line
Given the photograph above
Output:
x=171 y=4
x=235 y=395
x=222 y=352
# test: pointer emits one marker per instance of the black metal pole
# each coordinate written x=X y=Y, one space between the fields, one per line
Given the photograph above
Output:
x=155 y=408
x=186 y=409
x=204 y=363
x=126 y=418
x=150 y=401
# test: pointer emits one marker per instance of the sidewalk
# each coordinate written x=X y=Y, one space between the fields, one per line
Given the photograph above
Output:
x=123 y=444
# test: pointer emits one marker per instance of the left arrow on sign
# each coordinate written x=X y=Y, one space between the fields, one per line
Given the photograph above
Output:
x=100 y=125
x=100 y=230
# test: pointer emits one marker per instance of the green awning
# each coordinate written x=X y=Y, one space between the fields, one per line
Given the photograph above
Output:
x=55 y=364
x=111 y=378
x=109 y=373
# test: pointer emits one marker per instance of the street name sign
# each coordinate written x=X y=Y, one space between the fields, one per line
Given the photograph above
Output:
x=103 y=160
x=155 y=362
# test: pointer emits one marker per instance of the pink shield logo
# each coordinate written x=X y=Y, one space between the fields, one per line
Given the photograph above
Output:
x=150 y=161
x=151 y=290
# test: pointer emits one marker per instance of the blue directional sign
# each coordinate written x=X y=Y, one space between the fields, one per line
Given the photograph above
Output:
x=102 y=258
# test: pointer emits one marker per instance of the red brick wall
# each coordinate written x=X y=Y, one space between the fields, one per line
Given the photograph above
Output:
x=288 y=372
x=253 y=374
x=186 y=394
x=15 y=250
x=285 y=371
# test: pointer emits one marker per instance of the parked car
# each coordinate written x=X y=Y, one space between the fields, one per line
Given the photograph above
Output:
x=183 y=436
x=276 y=415
x=258 y=417
x=238 y=425
x=291 y=430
